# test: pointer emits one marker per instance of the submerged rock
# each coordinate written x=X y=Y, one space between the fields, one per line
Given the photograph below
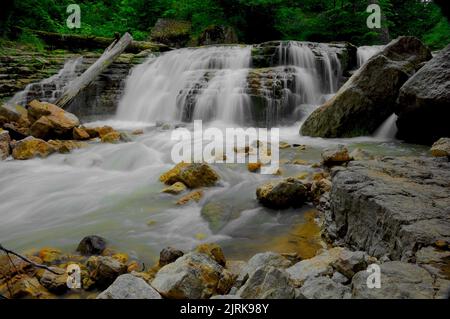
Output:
x=111 y=137
x=441 y=148
x=369 y=96
x=193 y=175
x=282 y=194
x=192 y=196
x=129 y=287
x=31 y=147
x=92 y=245
x=391 y=206
x=175 y=189
x=423 y=107
x=335 y=155
x=193 y=276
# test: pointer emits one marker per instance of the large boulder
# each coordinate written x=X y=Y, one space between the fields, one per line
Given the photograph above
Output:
x=129 y=287
x=267 y=283
x=391 y=206
x=399 y=280
x=282 y=194
x=368 y=97
x=31 y=147
x=192 y=276
x=56 y=281
x=49 y=120
x=424 y=102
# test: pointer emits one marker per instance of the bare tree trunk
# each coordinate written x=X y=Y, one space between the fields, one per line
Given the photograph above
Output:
x=105 y=60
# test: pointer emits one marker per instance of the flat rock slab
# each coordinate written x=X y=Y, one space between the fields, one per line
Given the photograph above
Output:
x=392 y=206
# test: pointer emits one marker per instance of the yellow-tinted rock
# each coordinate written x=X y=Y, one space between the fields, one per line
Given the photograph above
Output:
x=23 y=286
x=195 y=196
x=133 y=266
x=123 y=258
x=171 y=176
x=138 y=132
x=214 y=251
x=253 y=167
x=175 y=189
x=80 y=134
x=284 y=145
x=49 y=255
x=65 y=146
x=111 y=137
x=31 y=147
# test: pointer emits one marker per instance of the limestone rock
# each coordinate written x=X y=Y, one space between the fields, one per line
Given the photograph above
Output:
x=193 y=175
x=423 y=102
x=399 y=280
x=55 y=283
x=129 y=287
x=368 y=98
x=267 y=283
x=214 y=251
x=192 y=276
x=79 y=133
x=335 y=155
x=391 y=205
x=324 y=288
x=175 y=189
x=5 y=149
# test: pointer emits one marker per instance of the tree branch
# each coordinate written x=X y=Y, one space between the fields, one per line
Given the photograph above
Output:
x=7 y=251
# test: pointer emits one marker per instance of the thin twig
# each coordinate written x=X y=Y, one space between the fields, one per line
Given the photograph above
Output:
x=7 y=251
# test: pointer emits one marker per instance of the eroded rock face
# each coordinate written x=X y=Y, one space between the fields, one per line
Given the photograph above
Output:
x=369 y=96
x=423 y=107
x=282 y=194
x=392 y=206
x=399 y=280
x=129 y=287
x=174 y=33
x=193 y=276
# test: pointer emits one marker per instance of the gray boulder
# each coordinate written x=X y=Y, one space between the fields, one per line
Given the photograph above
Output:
x=193 y=276
x=267 y=283
x=399 y=280
x=368 y=98
x=390 y=206
x=104 y=270
x=324 y=288
x=129 y=287
x=423 y=107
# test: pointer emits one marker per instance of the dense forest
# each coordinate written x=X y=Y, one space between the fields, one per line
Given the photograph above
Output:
x=253 y=20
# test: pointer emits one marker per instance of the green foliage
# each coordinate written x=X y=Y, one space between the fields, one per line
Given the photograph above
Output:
x=253 y=20
x=29 y=39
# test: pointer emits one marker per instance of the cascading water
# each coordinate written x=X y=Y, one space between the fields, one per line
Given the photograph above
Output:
x=388 y=129
x=364 y=53
x=218 y=83
x=51 y=88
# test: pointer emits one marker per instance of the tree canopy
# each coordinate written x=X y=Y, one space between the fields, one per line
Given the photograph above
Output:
x=253 y=20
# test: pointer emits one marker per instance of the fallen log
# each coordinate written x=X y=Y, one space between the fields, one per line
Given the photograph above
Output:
x=105 y=60
x=79 y=42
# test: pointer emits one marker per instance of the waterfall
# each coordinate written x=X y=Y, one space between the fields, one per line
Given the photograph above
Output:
x=388 y=129
x=218 y=83
x=364 y=53
x=49 y=89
